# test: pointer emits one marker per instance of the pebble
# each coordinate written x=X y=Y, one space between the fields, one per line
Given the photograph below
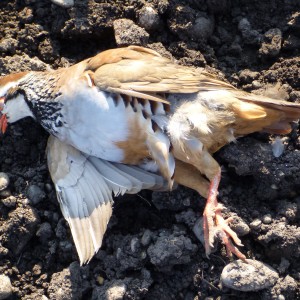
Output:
x=5 y=287
x=45 y=232
x=4 y=181
x=272 y=42
x=146 y=238
x=250 y=36
x=134 y=244
x=64 y=3
x=48 y=187
x=256 y=224
x=10 y=201
x=127 y=33
x=290 y=211
x=198 y=231
x=248 y=76
x=257 y=84
x=8 y=45
x=35 y=194
x=202 y=29
x=116 y=292
x=239 y=226
x=267 y=219
x=148 y=18
x=284 y=265
x=250 y=276
x=277 y=147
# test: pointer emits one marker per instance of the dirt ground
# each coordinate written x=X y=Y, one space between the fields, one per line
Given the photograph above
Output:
x=150 y=250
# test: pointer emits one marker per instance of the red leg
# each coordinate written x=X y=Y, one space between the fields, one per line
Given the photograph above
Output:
x=215 y=225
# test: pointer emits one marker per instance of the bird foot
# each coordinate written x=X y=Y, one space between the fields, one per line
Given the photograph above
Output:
x=214 y=225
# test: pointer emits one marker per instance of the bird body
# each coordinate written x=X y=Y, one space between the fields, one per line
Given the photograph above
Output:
x=132 y=107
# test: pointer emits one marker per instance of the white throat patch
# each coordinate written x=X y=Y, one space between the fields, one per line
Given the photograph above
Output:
x=16 y=109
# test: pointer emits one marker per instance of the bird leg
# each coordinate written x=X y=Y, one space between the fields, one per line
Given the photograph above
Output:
x=214 y=223
x=189 y=176
x=187 y=173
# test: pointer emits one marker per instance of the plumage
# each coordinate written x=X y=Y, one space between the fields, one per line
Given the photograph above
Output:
x=85 y=186
x=119 y=116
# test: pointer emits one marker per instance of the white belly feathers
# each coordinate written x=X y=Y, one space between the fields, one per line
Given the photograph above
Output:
x=93 y=122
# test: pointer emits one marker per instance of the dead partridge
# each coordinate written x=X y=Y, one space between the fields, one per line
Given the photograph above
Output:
x=131 y=107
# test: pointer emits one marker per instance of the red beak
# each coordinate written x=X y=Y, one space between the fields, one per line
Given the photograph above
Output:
x=3 y=123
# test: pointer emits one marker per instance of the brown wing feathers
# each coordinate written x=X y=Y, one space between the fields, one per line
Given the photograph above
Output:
x=137 y=71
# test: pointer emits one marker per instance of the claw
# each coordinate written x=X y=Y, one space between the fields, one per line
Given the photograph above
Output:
x=215 y=225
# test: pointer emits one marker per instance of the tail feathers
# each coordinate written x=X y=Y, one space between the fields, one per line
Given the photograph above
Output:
x=279 y=113
x=269 y=115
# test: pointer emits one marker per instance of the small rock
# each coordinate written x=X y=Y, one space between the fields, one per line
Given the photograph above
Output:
x=267 y=219
x=45 y=232
x=134 y=244
x=4 y=181
x=66 y=284
x=35 y=194
x=198 y=231
x=187 y=217
x=127 y=33
x=37 y=269
x=271 y=45
x=116 y=291
x=148 y=18
x=65 y=246
x=111 y=290
x=257 y=84
x=8 y=45
x=202 y=29
x=247 y=76
x=256 y=224
x=239 y=226
x=48 y=187
x=5 y=287
x=250 y=276
x=171 y=250
x=21 y=226
x=26 y=15
x=10 y=201
x=146 y=238
x=289 y=210
x=3 y=251
x=250 y=36
x=284 y=265
x=64 y=3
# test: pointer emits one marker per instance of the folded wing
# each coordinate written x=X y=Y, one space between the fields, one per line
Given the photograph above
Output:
x=85 y=186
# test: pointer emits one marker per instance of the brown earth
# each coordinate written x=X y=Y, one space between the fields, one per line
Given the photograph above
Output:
x=150 y=251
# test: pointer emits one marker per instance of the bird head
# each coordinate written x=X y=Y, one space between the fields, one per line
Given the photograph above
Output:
x=13 y=104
